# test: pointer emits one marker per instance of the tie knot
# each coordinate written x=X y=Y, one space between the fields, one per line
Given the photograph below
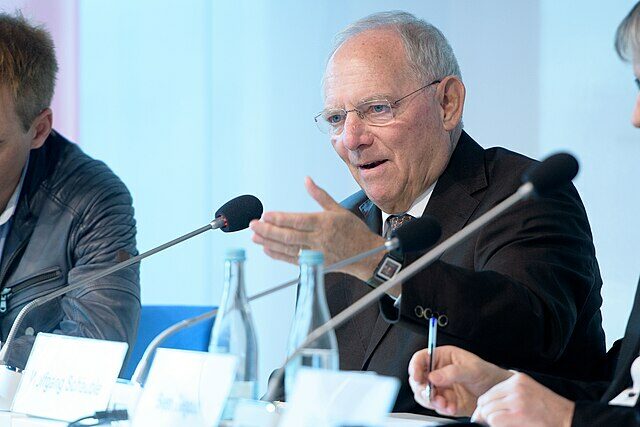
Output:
x=395 y=222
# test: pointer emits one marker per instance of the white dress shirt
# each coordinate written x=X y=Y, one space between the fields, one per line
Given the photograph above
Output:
x=416 y=210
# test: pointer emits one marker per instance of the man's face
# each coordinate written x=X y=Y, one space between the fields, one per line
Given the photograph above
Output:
x=15 y=144
x=397 y=162
x=635 y=116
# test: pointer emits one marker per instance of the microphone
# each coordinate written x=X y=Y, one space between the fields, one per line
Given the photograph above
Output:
x=542 y=178
x=232 y=216
x=556 y=170
x=237 y=213
x=416 y=235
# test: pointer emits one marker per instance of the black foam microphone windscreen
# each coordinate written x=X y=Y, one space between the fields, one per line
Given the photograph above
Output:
x=553 y=172
x=239 y=212
x=418 y=234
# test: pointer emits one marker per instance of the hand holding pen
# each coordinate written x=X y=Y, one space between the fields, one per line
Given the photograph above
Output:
x=451 y=382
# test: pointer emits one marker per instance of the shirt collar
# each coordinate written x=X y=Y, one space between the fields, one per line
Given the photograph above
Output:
x=417 y=208
x=13 y=200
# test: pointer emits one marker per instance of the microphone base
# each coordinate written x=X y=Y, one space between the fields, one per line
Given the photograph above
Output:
x=9 y=381
x=254 y=413
x=125 y=395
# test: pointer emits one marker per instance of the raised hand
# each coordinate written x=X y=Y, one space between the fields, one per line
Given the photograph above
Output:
x=335 y=231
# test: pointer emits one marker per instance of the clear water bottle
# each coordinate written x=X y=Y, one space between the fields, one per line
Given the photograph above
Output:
x=311 y=312
x=233 y=331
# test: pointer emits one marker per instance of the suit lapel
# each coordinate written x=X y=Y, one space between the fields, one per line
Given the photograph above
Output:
x=451 y=203
x=373 y=218
x=628 y=352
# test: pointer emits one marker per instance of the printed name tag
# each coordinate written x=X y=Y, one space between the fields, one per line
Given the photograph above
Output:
x=328 y=398
x=67 y=378
x=185 y=388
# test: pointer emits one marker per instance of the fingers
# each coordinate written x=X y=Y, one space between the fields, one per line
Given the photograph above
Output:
x=476 y=416
x=495 y=412
x=280 y=256
x=496 y=401
x=442 y=406
x=295 y=221
x=499 y=391
x=453 y=374
x=280 y=235
x=322 y=197
x=421 y=398
x=419 y=394
x=286 y=248
x=418 y=366
x=274 y=246
x=446 y=402
x=441 y=401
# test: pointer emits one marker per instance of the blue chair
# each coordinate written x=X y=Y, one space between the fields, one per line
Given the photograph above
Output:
x=155 y=318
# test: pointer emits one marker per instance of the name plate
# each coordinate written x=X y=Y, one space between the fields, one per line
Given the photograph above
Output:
x=185 y=388
x=332 y=398
x=67 y=378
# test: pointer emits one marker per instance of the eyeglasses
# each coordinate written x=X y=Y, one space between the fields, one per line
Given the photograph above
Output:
x=376 y=112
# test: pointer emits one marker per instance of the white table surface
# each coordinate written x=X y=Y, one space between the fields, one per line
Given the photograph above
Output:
x=10 y=419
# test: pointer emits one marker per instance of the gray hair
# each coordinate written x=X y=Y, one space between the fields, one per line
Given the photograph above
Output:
x=627 y=36
x=428 y=52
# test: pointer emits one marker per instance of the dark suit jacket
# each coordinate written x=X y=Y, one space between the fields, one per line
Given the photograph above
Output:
x=592 y=397
x=524 y=292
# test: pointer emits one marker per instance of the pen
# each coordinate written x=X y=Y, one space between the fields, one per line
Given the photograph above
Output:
x=433 y=330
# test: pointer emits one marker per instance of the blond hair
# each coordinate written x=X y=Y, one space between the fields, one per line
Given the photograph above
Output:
x=28 y=66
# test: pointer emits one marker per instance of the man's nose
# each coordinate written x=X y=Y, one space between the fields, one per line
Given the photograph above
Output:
x=635 y=116
x=355 y=132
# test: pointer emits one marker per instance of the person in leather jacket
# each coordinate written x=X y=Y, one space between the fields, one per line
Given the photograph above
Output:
x=63 y=215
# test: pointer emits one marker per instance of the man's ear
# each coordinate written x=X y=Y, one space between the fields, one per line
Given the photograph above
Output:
x=451 y=93
x=41 y=128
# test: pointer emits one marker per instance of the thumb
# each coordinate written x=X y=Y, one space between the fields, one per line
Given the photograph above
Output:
x=319 y=195
x=452 y=374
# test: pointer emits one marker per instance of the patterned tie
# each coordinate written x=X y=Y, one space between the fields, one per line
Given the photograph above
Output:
x=396 y=221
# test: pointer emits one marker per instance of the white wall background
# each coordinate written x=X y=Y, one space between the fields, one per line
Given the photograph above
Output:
x=195 y=102
x=586 y=97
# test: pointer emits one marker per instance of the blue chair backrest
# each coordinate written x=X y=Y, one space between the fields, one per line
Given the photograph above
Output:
x=156 y=318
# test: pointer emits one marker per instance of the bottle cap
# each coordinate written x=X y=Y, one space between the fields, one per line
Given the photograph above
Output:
x=310 y=257
x=235 y=254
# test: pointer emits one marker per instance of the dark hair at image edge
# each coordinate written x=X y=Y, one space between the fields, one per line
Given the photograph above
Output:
x=627 y=41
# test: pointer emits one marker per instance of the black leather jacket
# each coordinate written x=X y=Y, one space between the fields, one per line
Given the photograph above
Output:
x=74 y=218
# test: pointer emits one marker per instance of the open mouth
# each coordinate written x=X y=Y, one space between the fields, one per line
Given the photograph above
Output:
x=372 y=164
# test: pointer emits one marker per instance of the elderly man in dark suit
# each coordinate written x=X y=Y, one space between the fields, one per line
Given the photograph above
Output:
x=524 y=292
x=466 y=384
